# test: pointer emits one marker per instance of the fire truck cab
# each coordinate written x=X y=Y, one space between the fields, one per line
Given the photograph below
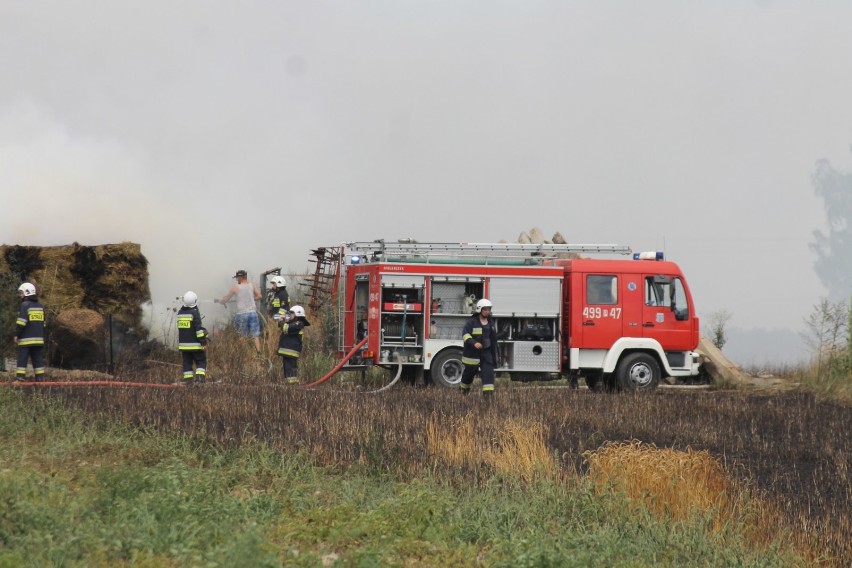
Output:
x=618 y=323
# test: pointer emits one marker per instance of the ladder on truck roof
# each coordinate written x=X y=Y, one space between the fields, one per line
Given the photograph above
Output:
x=405 y=248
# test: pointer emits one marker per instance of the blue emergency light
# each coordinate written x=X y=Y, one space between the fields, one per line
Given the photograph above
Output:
x=648 y=255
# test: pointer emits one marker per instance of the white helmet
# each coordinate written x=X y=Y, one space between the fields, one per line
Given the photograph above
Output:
x=483 y=303
x=279 y=281
x=298 y=311
x=190 y=299
x=27 y=289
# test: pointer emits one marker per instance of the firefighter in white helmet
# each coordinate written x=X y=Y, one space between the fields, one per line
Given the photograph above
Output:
x=292 y=326
x=29 y=333
x=192 y=340
x=480 y=349
x=280 y=304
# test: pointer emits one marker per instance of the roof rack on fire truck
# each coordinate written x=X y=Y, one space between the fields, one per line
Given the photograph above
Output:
x=379 y=250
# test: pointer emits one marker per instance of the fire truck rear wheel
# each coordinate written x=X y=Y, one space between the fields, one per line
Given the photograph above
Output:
x=447 y=368
x=638 y=372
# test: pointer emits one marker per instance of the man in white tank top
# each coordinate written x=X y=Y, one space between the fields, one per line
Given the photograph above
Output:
x=245 y=320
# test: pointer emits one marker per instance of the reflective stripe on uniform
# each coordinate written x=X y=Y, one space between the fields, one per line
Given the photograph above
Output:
x=288 y=352
x=470 y=361
x=30 y=341
x=190 y=347
x=487 y=388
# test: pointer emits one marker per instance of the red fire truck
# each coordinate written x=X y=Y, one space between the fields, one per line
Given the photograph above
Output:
x=617 y=323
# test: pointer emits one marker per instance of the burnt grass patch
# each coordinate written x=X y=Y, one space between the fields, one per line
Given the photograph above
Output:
x=790 y=448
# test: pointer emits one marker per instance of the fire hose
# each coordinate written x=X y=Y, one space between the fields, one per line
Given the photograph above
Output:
x=343 y=362
x=89 y=384
x=120 y=384
x=338 y=366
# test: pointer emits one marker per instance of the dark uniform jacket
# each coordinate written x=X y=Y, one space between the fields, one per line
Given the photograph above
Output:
x=290 y=342
x=30 y=323
x=280 y=303
x=191 y=335
x=475 y=332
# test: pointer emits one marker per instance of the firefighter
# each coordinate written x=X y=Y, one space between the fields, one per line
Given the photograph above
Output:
x=480 y=349
x=280 y=304
x=29 y=333
x=192 y=340
x=290 y=343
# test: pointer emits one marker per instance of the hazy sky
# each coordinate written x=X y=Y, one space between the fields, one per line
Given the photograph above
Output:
x=225 y=135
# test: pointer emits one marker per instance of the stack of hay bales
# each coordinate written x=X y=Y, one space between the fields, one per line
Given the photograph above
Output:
x=81 y=287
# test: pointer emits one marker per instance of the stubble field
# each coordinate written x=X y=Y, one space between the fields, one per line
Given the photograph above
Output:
x=787 y=451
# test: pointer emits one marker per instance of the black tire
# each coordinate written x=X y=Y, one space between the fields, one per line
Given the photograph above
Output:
x=637 y=372
x=447 y=368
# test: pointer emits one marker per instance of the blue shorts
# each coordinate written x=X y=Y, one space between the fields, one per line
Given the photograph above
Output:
x=247 y=324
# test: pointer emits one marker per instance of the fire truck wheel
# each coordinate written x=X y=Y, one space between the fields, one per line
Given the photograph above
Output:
x=638 y=372
x=447 y=368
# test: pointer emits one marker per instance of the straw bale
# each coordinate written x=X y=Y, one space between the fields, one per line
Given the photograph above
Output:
x=80 y=322
x=105 y=279
x=717 y=366
x=110 y=278
x=77 y=339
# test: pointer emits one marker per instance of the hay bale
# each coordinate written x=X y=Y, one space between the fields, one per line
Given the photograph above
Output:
x=718 y=367
x=109 y=279
x=77 y=339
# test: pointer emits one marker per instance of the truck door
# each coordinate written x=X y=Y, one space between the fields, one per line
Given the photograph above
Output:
x=601 y=314
x=666 y=313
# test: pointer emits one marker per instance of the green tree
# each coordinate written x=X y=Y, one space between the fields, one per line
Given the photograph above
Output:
x=718 y=322
x=827 y=335
x=834 y=248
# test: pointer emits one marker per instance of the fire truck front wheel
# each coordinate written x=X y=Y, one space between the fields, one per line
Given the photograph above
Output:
x=447 y=368
x=637 y=372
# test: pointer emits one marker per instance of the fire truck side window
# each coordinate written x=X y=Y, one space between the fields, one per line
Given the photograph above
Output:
x=680 y=304
x=601 y=289
x=658 y=291
x=667 y=292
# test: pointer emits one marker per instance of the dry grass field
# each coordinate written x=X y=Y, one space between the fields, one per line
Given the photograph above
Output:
x=779 y=458
x=783 y=456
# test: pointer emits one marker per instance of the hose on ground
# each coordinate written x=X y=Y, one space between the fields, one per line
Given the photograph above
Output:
x=91 y=384
x=337 y=367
